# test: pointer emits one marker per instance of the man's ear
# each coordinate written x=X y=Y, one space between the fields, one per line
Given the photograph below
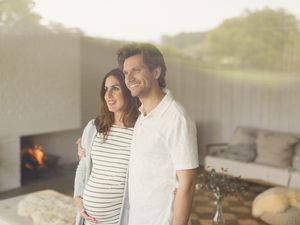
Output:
x=157 y=72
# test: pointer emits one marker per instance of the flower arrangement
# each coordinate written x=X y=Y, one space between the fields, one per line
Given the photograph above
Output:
x=221 y=184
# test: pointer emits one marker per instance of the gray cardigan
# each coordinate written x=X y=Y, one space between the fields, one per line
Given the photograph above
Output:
x=84 y=169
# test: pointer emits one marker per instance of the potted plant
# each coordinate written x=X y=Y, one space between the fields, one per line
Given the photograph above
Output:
x=220 y=184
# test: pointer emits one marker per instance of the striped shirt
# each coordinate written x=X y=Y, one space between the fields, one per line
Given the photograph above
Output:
x=104 y=191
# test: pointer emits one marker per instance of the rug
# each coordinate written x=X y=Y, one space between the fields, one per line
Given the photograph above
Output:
x=236 y=212
x=48 y=207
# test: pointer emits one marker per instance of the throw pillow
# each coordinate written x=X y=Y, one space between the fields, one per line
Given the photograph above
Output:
x=241 y=146
x=296 y=157
x=242 y=136
x=275 y=149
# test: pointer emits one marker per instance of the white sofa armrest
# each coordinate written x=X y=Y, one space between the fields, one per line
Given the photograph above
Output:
x=294 y=179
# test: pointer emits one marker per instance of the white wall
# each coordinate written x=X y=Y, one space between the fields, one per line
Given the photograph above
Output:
x=220 y=103
x=39 y=92
x=40 y=83
x=98 y=57
x=9 y=162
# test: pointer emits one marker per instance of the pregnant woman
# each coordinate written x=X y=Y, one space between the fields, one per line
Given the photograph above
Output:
x=101 y=176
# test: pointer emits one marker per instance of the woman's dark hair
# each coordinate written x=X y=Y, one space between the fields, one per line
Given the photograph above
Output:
x=106 y=118
x=152 y=57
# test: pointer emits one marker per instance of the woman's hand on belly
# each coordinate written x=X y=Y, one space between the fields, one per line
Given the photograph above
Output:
x=83 y=213
x=87 y=217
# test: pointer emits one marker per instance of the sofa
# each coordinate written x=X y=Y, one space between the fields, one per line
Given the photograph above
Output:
x=258 y=155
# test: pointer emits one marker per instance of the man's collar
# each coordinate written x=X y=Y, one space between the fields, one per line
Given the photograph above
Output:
x=161 y=107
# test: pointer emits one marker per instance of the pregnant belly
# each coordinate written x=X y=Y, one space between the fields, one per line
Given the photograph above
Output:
x=103 y=203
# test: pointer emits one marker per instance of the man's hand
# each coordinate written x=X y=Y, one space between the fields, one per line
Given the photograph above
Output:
x=80 y=151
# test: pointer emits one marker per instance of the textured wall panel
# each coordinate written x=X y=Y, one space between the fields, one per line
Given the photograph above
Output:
x=39 y=83
x=220 y=103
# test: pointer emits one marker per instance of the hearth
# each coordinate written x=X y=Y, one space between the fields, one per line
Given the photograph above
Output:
x=35 y=162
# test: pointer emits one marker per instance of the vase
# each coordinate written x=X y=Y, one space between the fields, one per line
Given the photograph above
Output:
x=218 y=218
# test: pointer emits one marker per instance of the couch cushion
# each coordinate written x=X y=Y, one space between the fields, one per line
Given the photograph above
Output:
x=275 y=149
x=296 y=157
x=242 y=135
x=241 y=145
x=295 y=179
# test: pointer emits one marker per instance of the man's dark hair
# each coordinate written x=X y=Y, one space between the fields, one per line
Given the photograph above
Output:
x=152 y=57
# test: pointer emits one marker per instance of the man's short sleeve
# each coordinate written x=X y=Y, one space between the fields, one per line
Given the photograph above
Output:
x=184 y=150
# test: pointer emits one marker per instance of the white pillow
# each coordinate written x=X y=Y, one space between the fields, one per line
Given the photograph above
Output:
x=275 y=149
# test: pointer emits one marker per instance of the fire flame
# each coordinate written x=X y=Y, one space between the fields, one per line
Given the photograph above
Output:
x=38 y=153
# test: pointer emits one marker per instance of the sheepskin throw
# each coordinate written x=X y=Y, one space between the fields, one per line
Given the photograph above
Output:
x=48 y=208
x=275 y=200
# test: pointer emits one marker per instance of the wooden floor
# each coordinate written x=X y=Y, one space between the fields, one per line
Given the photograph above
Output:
x=236 y=212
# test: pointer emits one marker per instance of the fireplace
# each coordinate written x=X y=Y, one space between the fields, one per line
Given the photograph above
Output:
x=35 y=162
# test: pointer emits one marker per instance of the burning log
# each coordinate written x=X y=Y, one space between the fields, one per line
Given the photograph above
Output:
x=35 y=162
x=33 y=158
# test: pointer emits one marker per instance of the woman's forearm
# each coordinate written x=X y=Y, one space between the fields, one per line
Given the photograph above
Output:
x=79 y=203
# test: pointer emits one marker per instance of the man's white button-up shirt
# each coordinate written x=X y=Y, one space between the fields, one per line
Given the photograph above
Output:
x=163 y=141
